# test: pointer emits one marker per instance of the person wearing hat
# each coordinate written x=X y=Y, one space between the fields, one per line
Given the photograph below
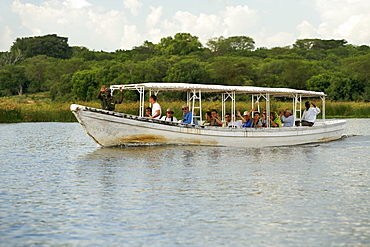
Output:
x=169 y=116
x=246 y=121
x=287 y=118
x=188 y=115
x=108 y=102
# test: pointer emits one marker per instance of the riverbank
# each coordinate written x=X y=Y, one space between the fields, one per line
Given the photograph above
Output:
x=40 y=108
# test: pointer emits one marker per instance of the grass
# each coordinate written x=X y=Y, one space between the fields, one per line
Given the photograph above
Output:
x=39 y=108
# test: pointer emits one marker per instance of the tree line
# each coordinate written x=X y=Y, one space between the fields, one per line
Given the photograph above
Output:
x=48 y=64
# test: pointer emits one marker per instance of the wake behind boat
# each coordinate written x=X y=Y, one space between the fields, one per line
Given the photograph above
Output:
x=109 y=128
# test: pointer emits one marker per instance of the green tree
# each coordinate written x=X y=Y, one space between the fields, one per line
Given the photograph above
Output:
x=319 y=83
x=36 y=72
x=221 y=46
x=13 y=80
x=187 y=70
x=85 y=87
x=297 y=72
x=50 y=45
x=182 y=44
x=232 y=70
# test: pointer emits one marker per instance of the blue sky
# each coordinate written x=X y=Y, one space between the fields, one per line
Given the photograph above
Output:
x=122 y=24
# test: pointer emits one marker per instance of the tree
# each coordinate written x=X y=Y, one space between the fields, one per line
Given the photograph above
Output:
x=36 y=72
x=11 y=57
x=317 y=44
x=182 y=44
x=50 y=45
x=187 y=70
x=297 y=72
x=319 y=83
x=13 y=80
x=232 y=71
x=85 y=87
x=222 y=46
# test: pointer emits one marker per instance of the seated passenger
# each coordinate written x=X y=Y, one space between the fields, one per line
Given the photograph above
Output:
x=188 y=115
x=257 y=123
x=169 y=116
x=231 y=121
x=287 y=118
x=275 y=120
x=210 y=120
x=264 y=118
x=246 y=121
x=309 y=114
x=148 y=112
x=216 y=117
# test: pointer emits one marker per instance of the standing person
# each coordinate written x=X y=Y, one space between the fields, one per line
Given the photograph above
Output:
x=287 y=118
x=108 y=102
x=156 y=108
x=188 y=115
x=169 y=116
x=309 y=115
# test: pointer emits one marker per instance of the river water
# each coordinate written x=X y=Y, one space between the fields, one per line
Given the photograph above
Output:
x=59 y=188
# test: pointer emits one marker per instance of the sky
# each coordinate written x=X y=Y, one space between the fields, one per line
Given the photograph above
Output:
x=109 y=25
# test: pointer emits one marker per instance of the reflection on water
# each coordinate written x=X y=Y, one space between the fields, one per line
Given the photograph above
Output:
x=67 y=191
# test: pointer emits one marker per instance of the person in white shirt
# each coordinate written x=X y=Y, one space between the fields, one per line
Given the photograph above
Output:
x=231 y=121
x=169 y=116
x=156 y=108
x=309 y=115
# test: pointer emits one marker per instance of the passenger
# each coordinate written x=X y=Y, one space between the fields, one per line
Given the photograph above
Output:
x=257 y=123
x=169 y=116
x=156 y=108
x=287 y=118
x=148 y=112
x=275 y=121
x=208 y=117
x=231 y=121
x=309 y=115
x=246 y=121
x=108 y=102
x=264 y=118
x=188 y=115
x=216 y=118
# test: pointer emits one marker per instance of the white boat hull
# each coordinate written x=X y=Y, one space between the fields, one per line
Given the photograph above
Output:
x=115 y=129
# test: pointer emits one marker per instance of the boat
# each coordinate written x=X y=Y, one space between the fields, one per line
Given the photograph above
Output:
x=110 y=128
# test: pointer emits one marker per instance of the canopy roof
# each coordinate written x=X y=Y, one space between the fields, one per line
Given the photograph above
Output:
x=206 y=88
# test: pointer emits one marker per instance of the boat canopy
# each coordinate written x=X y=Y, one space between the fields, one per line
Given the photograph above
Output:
x=194 y=95
x=206 y=88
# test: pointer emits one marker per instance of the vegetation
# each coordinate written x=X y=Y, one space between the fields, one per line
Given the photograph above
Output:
x=39 y=108
x=47 y=65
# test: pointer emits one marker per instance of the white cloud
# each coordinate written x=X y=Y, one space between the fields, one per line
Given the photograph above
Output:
x=77 y=19
x=133 y=5
x=306 y=30
x=231 y=21
x=6 y=38
x=280 y=39
x=131 y=37
x=239 y=18
x=344 y=19
x=76 y=4
x=154 y=16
